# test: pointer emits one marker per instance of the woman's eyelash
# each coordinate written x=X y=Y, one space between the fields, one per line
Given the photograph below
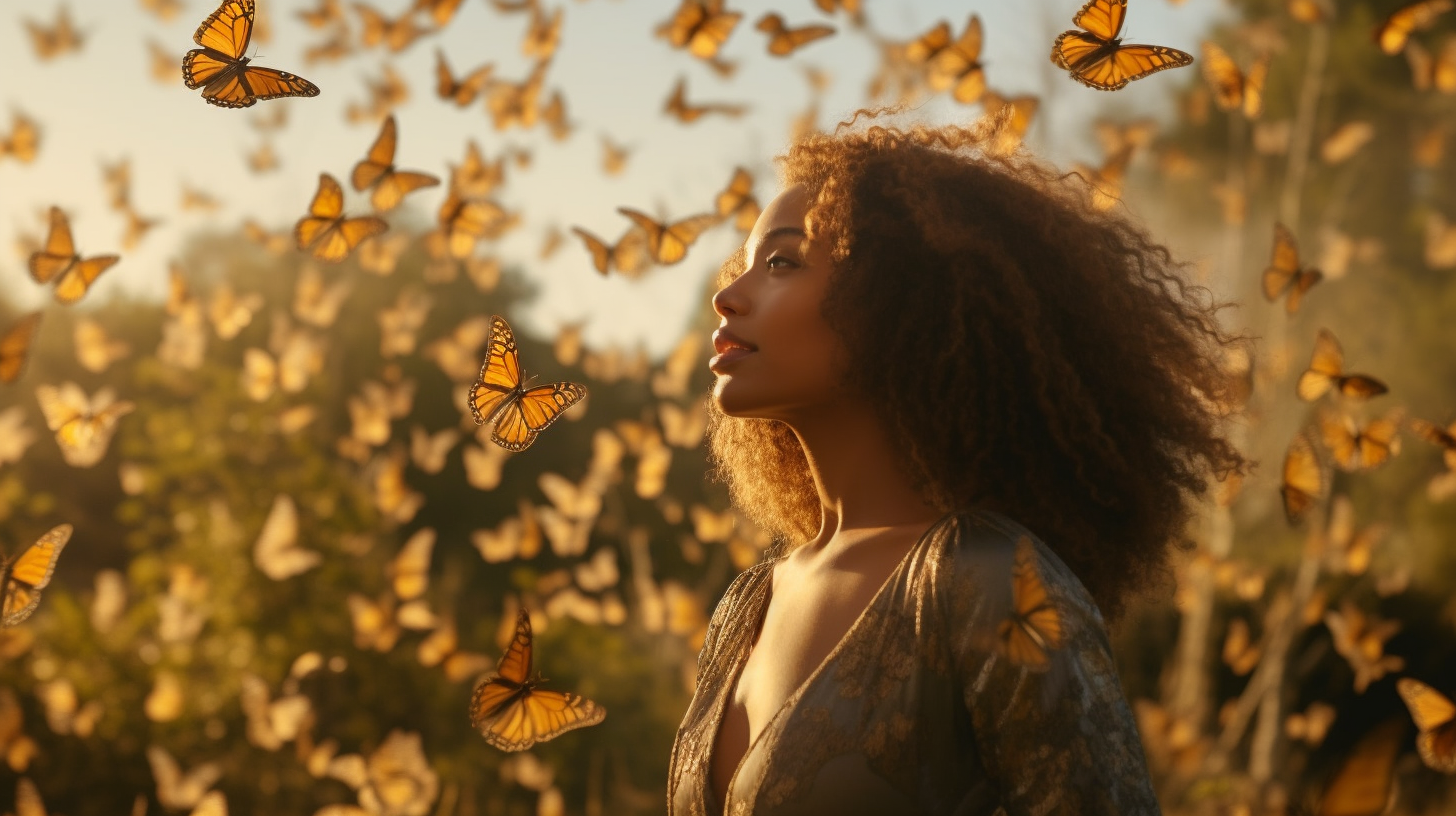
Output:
x=771 y=260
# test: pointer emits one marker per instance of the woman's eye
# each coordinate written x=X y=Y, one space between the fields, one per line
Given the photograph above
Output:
x=778 y=258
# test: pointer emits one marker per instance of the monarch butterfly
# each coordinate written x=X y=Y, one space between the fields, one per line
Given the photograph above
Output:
x=628 y=255
x=958 y=64
x=22 y=578
x=53 y=41
x=58 y=261
x=677 y=105
x=668 y=242
x=737 y=201
x=783 y=41
x=1435 y=716
x=1096 y=57
x=520 y=413
x=1034 y=628
x=1326 y=371
x=397 y=33
x=701 y=26
x=222 y=72
x=1284 y=275
x=542 y=35
x=23 y=140
x=377 y=171
x=326 y=230
x=461 y=91
x=1240 y=653
x=1360 y=639
x=1356 y=447
x=463 y=222
x=510 y=709
x=15 y=347
x=1303 y=479
x=1232 y=88
x=83 y=426
x=95 y=350
x=276 y=552
x=1394 y=33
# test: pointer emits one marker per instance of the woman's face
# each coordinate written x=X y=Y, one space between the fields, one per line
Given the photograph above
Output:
x=776 y=357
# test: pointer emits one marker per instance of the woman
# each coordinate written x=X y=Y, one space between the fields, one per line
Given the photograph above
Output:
x=979 y=412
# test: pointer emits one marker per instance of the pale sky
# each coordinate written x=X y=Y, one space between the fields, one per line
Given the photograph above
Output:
x=101 y=104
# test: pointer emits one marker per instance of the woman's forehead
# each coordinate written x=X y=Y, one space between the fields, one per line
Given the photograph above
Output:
x=785 y=212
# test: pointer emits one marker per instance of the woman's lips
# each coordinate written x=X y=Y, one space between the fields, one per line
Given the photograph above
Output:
x=728 y=357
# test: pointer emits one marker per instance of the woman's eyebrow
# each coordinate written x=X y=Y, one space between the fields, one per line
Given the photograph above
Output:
x=777 y=232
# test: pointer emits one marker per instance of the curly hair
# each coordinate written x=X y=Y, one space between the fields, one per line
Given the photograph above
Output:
x=1060 y=370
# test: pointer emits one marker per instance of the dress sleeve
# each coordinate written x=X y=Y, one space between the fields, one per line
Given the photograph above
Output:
x=1052 y=726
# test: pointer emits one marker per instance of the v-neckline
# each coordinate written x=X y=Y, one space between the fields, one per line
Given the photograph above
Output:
x=766 y=596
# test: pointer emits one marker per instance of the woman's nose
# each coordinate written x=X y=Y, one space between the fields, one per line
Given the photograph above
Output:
x=728 y=300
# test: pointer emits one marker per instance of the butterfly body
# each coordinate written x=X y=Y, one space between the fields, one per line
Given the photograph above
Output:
x=221 y=69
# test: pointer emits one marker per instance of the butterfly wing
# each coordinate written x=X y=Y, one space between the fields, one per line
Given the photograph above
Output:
x=1435 y=716
x=380 y=158
x=530 y=413
x=271 y=83
x=1109 y=69
x=30 y=573
x=228 y=30
x=1223 y=77
x=15 y=347
x=59 y=252
x=1034 y=628
x=601 y=253
x=1303 y=479
x=323 y=212
x=395 y=185
x=539 y=715
x=1325 y=366
x=77 y=280
x=500 y=374
x=1103 y=18
x=673 y=242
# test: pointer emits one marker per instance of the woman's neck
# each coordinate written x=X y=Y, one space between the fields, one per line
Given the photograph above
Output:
x=859 y=474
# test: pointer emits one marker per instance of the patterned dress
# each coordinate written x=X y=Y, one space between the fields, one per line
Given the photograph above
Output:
x=920 y=708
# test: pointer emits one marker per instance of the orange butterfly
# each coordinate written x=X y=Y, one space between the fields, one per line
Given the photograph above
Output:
x=513 y=712
x=1326 y=371
x=668 y=242
x=701 y=26
x=326 y=230
x=58 y=261
x=461 y=91
x=520 y=413
x=377 y=171
x=678 y=106
x=1284 y=274
x=628 y=255
x=1394 y=33
x=221 y=70
x=1096 y=57
x=783 y=41
x=1232 y=88
x=1034 y=629
x=1361 y=447
x=958 y=64
x=1304 y=479
x=15 y=347
x=463 y=222
x=737 y=201
x=23 y=141
x=22 y=579
x=1435 y=716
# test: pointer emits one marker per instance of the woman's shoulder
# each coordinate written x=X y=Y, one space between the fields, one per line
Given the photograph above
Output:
x=982 y=551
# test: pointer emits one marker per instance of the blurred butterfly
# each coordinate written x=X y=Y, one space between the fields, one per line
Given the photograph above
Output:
x=409 y=570
x=958 y=66
x=782 y=40
x=24 y=576
x=737 y=201
x=668 y=242
x=442 y=648
x=677 y=106
x=1311 y=724
x=1240 y=652
x=374 y=624
x=519 y=412
x=1106 y=181
x=1428 y=71
x=220 y=67
x=683 y=427
x=274 y=243
x=325 y=229
x=700 y=26
x=553 y=114
x=1347 y=550
x=276 y=552
x=326 y=13
x=461 y=91
x=164 y=9
x=517 y=537
x=271 y=723
x=1440 y=243
x=513 y=712
x=23 y=141
x=380 y=255
x=1393 y=34
x=1435 y=716
x=15 y=346
x=1360 y=447
x=428 y=451
x=176 y=790
x=377 y=171
x=483 y=464
x=1362 y=784
x=1303 y=481
x=1360 y=639
x=230 y=312
x=628 y=256
x=1096 y=57
x=1306 y=11
x=317 y=302
x=516 y=104
x=137 y=227
x=386 y=93
x=1326 y=372
x=1232 y=88
x=440 y=11
x=465 y=221
x=54 y=40
x=94 y=349
x=542 y=35
x=1018 y=112
x=1285 y=275
x=397 y=33
x=58 y=261
x=1346 y=141
x=272 y=121
x=1034 y=628
x=83 y=426
x=399 y=325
